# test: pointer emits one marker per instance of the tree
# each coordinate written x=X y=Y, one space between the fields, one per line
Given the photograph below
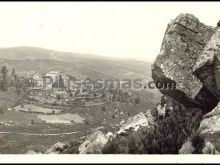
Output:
x=18 y=86
x=103 y=108
x=137 y=100
x=13 y=76
x=13 y=72
x=4 y=70
x=3 y=83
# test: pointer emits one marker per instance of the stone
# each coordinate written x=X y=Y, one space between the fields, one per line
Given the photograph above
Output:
x=56 y=148
x=134 y=123
x=209 y=148
x=94 y=143
x=183 y=43
x=187 y=148
x=210 y=128
x=31 y=152
x=204 y=67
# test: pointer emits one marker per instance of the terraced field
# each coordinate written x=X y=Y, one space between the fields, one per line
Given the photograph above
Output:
x=22 y=131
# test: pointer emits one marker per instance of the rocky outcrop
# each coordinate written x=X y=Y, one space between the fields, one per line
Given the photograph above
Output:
x=134 y=123
x=94 y=143
x=184 y=41
x=187 y=148
x=187 y=59
x=56 y=148
x=208 y=148
x=204 y=67
x=210 y=128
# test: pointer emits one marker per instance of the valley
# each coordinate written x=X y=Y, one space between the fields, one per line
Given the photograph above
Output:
x=35 y=116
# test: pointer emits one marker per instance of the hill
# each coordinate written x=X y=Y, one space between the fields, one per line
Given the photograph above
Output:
x=75 y=64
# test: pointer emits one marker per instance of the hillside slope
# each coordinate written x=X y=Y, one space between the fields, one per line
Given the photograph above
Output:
x=79 y=65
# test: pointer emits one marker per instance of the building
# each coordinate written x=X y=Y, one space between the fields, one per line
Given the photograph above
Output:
x=66 y=80
x=47 y=82
x=54 y=75
x=38 y=80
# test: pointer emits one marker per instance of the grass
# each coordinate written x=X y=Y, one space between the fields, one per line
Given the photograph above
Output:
x=18 y=118
x=9 y=98
x=37 y=109
x=62 y=118
x=15 y=143
x=95 y=116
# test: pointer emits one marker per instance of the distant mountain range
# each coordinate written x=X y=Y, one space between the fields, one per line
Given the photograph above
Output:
x=78 y=65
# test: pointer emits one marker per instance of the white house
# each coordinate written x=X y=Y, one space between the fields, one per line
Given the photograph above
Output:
x=38 y=79
x=54 y=75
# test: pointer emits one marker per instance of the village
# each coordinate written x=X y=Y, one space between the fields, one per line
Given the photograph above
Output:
x=56 y=90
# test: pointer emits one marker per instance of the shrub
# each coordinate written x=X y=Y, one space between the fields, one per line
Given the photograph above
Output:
x=32 y=121
x=198 y=143
x=167 y=136
x=87 y=122
x=103 y=109
x=1 y=110
x=72 y=147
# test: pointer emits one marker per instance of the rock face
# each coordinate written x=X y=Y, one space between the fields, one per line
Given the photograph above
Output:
x=187 y=58
x=93 y=144
x=210 y=130
x=208 y=148
x=204 y=67
x=134 y=123
x=182 y=47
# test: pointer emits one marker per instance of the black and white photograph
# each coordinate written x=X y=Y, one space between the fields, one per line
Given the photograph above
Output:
x=109 y=78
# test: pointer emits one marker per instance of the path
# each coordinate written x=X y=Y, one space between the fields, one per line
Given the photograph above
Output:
x=46 y=134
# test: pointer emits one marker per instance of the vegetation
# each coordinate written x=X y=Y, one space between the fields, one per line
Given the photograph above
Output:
x=73 y=147
x=198 y=143
x=167 y=136
x=3 y=80
x=2 y=109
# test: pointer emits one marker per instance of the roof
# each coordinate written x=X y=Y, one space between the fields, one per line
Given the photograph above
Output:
x=54 y=72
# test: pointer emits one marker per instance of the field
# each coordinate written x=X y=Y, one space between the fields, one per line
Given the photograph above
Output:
x=37 y=109
x=21 y=132
x=62 y=119
x=9 y=98
x=38 y=137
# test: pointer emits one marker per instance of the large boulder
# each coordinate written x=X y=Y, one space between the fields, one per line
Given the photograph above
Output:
x=134 y=123
x=182 y=46
x=94 y=143
x=187 y=148
x=204 y=67
x=210 y=127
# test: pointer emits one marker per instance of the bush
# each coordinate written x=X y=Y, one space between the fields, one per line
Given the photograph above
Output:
x=198 y=143
x=3 y=109
x=73 y=147
x=87 y=122
x=167 y=137
x=32 y=121
x=103 y=109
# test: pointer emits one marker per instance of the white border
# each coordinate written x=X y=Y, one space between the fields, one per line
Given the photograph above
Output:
x=72 y=158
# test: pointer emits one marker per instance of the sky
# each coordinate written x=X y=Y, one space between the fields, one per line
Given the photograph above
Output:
x=115 y=29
